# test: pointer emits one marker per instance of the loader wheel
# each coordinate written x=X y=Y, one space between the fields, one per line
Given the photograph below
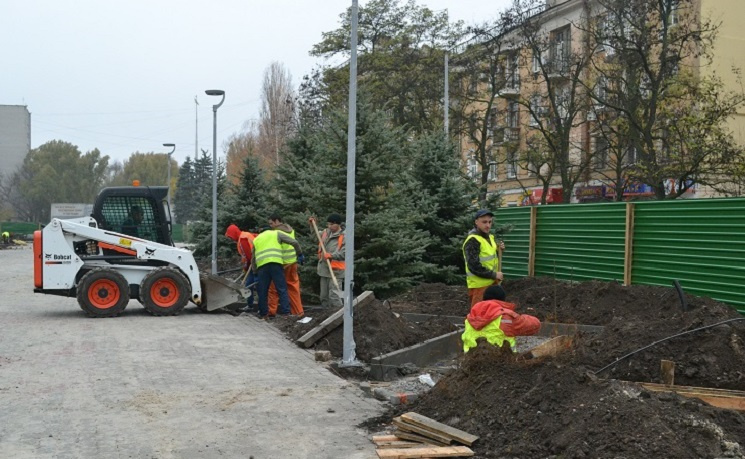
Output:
x=103 y=292
x=164 y=292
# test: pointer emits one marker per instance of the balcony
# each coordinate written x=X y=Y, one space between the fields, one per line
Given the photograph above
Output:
x=558 y=68
x=511 y=85
x=511 y=135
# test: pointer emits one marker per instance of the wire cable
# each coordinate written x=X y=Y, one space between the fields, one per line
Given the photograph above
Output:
x=665 y=339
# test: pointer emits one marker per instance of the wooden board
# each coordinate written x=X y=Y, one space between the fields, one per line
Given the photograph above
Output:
x=392 y=441
x=406 y=435
x=721 y=398
x=444 y=440
x=333 y=321
x=439 y=428
x=551 y=347
x=429 y=451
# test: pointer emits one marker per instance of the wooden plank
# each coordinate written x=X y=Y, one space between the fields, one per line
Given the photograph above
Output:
x=721 y=398
x=404 y=434
x=628 y=244
x=398 y=422
x=532 y=240
x=551 y=347
x=384 y=438
x=431 y=451
x=400 y=444
x=439 y=428
x=667 y=372
x=333 y=321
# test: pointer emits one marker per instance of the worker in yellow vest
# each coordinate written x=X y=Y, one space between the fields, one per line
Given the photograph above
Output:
x=480 y=254
x=267 y=263
x=290 y=265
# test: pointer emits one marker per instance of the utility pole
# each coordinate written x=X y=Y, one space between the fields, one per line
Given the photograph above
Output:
x=196 y=128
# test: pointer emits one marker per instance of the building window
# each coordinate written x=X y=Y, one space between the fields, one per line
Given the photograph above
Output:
x=511 y=165
x=631 y=155
x=472 y=166
x=560 y=50
x=674 y=17
x=493 y=171
x=600 y=155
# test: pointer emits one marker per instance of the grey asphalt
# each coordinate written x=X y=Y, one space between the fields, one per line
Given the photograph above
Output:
x=136 y=386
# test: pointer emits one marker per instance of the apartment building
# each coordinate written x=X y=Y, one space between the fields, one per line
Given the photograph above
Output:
x=552 y=93
x=15 y=137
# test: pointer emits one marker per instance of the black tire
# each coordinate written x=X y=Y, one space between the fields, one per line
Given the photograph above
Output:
x=164 y=292
x=103 y=292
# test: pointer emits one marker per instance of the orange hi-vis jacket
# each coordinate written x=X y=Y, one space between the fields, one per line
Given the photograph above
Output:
x=335 y=264
x=245 y=245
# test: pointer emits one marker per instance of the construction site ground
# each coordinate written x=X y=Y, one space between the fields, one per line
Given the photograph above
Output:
x=563 y=406
x=218 y=385
x=137 y=386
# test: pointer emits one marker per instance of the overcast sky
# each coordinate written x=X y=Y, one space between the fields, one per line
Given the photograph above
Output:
x=121 y=76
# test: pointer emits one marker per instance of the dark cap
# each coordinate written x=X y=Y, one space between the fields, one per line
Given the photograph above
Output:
x=481 y=212
x=495 y=292
x=334 y=218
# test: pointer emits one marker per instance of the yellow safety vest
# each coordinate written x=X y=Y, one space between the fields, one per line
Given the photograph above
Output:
x=267 y=248
x=493 y=334
x=487 y=257
x=289 y=256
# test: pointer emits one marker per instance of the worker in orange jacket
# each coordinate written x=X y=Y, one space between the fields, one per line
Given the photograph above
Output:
x=289 y=263
x=244 y=243
x=496 y=320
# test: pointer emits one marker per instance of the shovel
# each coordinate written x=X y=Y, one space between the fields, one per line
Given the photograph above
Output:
x=328 y=262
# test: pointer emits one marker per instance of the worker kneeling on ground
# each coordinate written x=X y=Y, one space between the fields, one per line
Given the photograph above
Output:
x=496 y=320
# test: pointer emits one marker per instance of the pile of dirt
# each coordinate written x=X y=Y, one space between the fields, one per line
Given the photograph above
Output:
x=377 y=331
x=581 y=404
x=554 y=408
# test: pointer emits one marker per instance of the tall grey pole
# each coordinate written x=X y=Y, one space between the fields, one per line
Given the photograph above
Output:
x=348 y=354
x=446 y=104
x=214 y=92
x=169 y=172
x=196 y=128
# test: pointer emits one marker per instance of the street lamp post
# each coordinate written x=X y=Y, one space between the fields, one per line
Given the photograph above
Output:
x=169 y=172
x=214 y=92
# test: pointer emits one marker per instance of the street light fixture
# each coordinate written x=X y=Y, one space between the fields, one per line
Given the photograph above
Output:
x=214 y=92
x=169 y=172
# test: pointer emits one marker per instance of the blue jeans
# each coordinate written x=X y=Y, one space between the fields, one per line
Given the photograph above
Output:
x=251 y=278
x=268 y=273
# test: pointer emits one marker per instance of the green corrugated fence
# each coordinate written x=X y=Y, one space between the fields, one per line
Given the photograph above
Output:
x=699 y=242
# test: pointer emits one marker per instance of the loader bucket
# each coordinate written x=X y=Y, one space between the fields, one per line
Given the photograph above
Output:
x=218 y=292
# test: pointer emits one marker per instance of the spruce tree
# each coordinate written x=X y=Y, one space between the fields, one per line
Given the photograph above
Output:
x=446 y=201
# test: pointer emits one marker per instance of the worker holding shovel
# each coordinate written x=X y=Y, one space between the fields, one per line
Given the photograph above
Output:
x=331 y=266
x=482 y=254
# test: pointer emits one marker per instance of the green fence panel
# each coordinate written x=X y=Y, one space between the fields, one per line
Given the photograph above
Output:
x=19 y=227
x=517 y=241
x=699 y=242
x=177 y=232
x=581 y=242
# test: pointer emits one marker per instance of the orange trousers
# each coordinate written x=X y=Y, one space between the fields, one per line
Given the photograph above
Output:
x=474 y=294
x=293 y=291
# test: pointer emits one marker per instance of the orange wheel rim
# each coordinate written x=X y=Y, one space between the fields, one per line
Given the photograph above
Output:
x=164 y=293
x=103 y=294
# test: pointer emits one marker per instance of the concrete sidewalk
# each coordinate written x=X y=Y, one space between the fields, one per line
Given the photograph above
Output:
x=195 y=385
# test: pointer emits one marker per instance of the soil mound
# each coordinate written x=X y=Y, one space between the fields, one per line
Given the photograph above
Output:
x=377 y=331
x=554 y=408
x=567 y=407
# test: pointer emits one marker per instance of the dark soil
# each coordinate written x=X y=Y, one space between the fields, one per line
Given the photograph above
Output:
x=564 y=406
x=377 y=331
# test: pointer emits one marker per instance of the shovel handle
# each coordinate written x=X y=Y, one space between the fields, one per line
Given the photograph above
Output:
x=323 y=250
x=499 y=260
